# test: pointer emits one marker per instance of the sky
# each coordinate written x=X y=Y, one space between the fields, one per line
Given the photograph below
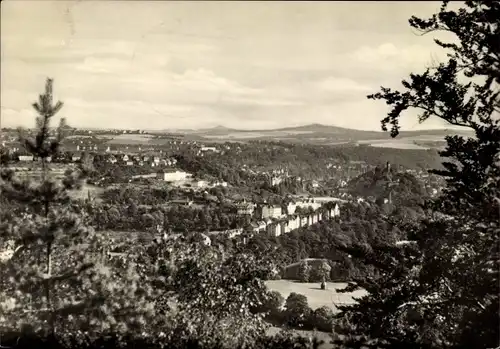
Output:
x=246 y=65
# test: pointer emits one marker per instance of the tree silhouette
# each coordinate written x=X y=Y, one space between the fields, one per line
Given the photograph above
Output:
x=442 y=290
x=57 y=282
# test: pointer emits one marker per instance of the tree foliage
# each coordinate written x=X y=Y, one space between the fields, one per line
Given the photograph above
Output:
x=304 y=272
x=442 y=290
x=208 y=295
x=57 y=281
x=297 y=310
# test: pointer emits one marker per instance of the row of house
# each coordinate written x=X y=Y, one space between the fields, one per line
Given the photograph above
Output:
x=280 y=227
x=153 y=161
x=125 y=159
x=277 y=211
x=289 y=223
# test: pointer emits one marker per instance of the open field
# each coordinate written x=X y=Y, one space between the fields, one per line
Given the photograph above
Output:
x=33 y=170
x=398 y=145
x=316 y=297
x=414 y=142
x=256 y=134
x=79 y=137
x=131 y=139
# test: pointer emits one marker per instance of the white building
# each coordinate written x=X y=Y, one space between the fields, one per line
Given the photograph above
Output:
x=200 y=184
x=245 y=208
x=175 y=176
x=335 y=212
x=25 y=157
x=214 y=149
x=291 y=207
x=314 y=218
x=219 y=184
x=271 y=211
x=273 y=229
x=259 y=226
x=276 y=180
x=294 y=223
x=284 y=227
x=234 y=232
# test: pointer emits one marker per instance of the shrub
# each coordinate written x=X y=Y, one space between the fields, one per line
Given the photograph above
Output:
x=322 y=319
x=304 y=272
x=297 y=310
x=320 y=273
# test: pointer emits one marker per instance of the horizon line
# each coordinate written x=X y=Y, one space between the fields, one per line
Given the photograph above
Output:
x=449 y=127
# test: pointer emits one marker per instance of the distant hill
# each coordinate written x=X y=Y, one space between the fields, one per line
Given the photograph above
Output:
x=326 y=135
x=320 y=128
x=405 y=188
x=317 y=134
x=211 y=130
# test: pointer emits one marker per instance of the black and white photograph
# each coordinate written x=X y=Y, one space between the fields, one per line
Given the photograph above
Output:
x=249 y=174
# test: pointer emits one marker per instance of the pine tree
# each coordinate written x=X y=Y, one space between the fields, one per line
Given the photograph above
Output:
x=56 y=282
x=442 y=290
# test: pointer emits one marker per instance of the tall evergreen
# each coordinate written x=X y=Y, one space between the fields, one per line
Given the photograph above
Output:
x=57 y=282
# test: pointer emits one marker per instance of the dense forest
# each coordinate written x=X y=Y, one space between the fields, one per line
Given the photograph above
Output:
x=305 y=161
x=402 y=188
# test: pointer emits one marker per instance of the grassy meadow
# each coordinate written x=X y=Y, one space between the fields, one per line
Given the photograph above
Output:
x=316 y=297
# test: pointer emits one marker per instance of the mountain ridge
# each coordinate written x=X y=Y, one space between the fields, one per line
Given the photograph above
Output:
x=313 y=127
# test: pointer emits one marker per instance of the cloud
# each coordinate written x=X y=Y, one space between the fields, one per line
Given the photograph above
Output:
x=334 y=84
x=96 y=65
x=203 y=87
x=205 y=80
x=389 y=56
x=174 y=63
x=260 y=101
x=156 y=93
